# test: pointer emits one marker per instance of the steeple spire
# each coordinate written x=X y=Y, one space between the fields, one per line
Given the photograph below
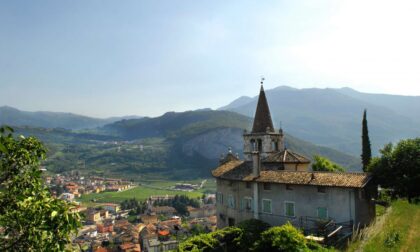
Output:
x=262 y=118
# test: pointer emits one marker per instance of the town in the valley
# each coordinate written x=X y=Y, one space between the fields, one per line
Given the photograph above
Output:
x=149 y=225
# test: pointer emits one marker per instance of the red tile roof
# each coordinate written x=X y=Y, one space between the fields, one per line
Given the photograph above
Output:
x=242 y=171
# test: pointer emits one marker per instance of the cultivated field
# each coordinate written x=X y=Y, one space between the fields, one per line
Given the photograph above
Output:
x=144 y=191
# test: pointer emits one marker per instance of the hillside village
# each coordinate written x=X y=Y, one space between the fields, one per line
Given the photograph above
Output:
x=111 y=226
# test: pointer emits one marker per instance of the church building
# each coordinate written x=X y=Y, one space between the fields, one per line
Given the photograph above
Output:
x=276 y=185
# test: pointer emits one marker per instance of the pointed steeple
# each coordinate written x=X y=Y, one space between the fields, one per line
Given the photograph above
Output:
x=262 y=118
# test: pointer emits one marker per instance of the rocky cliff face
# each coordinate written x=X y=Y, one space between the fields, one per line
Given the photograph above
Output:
x=213 y=143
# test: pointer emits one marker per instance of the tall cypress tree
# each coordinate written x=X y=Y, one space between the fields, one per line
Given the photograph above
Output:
x=366 y=151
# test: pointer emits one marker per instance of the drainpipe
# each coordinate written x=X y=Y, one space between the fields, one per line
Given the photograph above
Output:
x=256 y=173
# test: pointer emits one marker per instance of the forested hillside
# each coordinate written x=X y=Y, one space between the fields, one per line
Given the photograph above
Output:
x=175 y=145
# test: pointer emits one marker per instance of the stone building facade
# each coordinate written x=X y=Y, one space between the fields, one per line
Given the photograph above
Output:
x=276 y=185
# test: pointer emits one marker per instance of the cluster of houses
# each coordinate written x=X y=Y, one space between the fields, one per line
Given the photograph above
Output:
x=69 y=187
x=159 y=228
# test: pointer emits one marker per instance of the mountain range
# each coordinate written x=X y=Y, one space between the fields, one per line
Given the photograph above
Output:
x=332 y=117
x=46 y=119
x=190 y=143
x=176 y=145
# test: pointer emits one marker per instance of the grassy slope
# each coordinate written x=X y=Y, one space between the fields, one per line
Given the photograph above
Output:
x=402 y=218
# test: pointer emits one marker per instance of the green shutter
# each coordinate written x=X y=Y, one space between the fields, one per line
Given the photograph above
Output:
x=290 y=209
x=322 y=213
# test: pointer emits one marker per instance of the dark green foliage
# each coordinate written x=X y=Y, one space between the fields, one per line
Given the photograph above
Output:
x=180 y=203
x=227 y=239
x=252 y=231
x=30 y=218
x=398 y=168
x=366 y=151
x=251 y=235
x=324 y=164
x=136 y=207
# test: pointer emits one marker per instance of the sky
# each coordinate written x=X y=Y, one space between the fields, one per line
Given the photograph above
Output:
x=113 y=58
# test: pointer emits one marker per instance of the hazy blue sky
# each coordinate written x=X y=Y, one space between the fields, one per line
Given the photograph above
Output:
x=108 y=58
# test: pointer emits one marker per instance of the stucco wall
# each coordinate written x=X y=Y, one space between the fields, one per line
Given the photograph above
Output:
x=340 y=202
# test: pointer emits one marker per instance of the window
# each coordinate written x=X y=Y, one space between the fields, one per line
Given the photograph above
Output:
x=248 y=185
x=289 y=187
x=219 y=198
x=289 y=209
x=231 y=201
x=259 y=145
x=253 y=145
x=321 y=189
x=246 y=204
x=267 y=186
x=322 y=213
x=266 y=206
x=274 y=146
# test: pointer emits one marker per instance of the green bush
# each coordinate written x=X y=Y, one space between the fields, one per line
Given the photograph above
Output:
x=284 y=238
x=252 y=230
x=227 y=239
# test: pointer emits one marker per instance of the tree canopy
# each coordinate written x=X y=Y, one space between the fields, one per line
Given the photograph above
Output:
x=260 y=238
x=30 y=219
x=366 y=150
x=324 y=164
x=398 y=168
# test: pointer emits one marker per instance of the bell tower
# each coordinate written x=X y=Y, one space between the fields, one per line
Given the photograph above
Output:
x=263 y=138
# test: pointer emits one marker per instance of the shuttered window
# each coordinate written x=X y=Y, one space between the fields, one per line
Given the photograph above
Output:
x=231 y=201
x=266 y=206
x=289 y=209
x=246 y=204
x=322 y=213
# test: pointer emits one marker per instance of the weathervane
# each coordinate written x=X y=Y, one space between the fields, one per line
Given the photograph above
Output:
x=262 y=80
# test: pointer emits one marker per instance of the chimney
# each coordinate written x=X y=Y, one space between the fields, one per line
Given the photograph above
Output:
x=256 y=163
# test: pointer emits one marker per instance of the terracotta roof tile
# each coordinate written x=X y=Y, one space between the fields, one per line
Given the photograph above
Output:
x=286 y=156
x=222 y=169
x=242 y=171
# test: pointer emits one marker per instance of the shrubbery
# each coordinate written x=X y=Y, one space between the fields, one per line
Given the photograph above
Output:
x=251 y=235
x=227 y=239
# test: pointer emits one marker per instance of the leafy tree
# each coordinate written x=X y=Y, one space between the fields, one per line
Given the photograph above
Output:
x=252 y=231
x=366 y=151
x=226 y=239
x=30 y=219
x=398 y=168
x=324 y=164
x=284 y=238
